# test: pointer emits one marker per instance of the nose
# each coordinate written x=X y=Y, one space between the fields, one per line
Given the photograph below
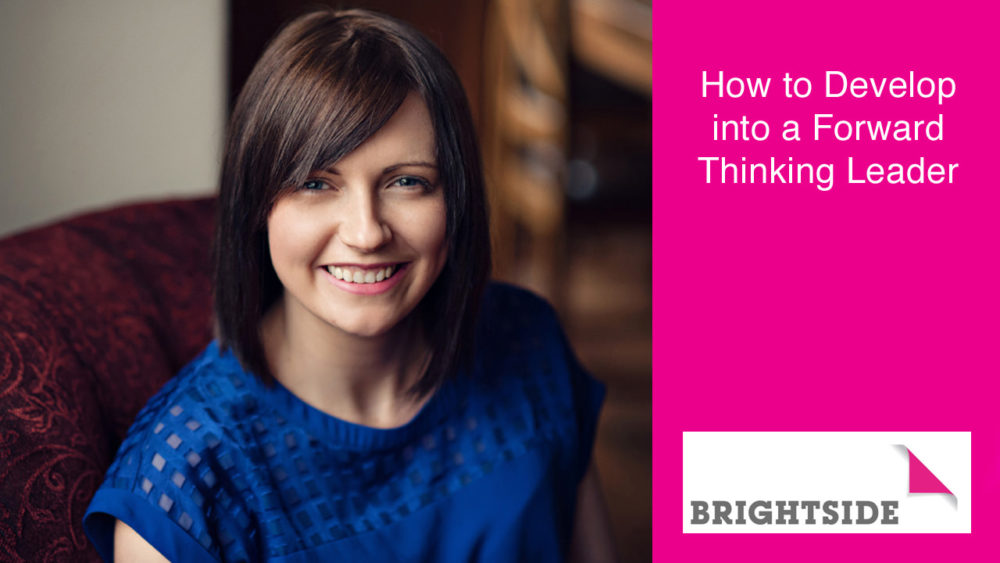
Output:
x=362 y=227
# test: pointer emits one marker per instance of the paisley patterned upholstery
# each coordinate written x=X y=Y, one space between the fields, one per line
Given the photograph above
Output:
x=96 y=313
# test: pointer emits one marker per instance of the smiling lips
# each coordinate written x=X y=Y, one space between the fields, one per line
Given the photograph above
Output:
x=360 y=275
x=366 y=280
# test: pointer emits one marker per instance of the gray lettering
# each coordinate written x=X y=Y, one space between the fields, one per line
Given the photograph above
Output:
x=767 y=512
x=700 y=509
x=722 y=510
x=888 y=512
x=810 y=506
x=829 y=508
x=755 y=515
x=789 y=512
x=862 y=505
x=740 y=506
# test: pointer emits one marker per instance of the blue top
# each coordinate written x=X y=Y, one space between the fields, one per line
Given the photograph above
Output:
x=219 y=466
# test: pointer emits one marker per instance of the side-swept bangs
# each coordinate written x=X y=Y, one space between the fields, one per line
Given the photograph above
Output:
x=327 y=82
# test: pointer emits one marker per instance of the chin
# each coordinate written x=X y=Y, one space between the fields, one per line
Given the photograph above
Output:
x=367 y=329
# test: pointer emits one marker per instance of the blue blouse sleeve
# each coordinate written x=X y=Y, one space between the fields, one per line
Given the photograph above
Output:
x=165 y=484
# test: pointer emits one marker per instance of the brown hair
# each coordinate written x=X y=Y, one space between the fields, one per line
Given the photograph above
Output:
x=325 y=84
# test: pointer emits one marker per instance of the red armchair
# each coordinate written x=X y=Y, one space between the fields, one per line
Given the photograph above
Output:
x=96 y=313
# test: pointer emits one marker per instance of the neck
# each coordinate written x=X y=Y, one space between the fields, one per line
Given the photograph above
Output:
x=360 y=379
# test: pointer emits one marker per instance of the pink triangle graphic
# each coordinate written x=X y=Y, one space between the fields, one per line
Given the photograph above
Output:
x=922 y=480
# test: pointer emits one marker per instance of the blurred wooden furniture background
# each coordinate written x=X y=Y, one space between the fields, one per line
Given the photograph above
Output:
x=608 y=226
x=525 y=138
x=615 y=38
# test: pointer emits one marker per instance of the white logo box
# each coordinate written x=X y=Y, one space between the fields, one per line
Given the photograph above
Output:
x=808 y=467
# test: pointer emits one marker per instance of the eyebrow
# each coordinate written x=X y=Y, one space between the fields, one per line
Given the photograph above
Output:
x=421 y=163
x=388 y=169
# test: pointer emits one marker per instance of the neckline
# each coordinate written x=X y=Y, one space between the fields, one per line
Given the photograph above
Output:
x=336 y=432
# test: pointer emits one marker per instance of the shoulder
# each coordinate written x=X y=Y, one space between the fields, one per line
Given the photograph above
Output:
x=510 y=313
x=207 y=396
x=522 y=346
x=204 y=414
x=504 y=296
x=174 y=464
x=528 y=363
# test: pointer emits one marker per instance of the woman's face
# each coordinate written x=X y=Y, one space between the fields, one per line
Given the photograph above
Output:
x=359 y=245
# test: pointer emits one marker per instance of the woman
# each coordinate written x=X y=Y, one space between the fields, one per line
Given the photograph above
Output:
x=370 y=397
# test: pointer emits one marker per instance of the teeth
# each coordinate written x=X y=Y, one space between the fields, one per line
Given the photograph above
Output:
x=355 y=275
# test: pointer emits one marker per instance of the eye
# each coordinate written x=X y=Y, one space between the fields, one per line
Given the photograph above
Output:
x=314 y=185
x=411 y=182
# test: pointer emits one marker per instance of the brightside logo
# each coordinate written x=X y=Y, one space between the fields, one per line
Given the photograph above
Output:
x=827 y=482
